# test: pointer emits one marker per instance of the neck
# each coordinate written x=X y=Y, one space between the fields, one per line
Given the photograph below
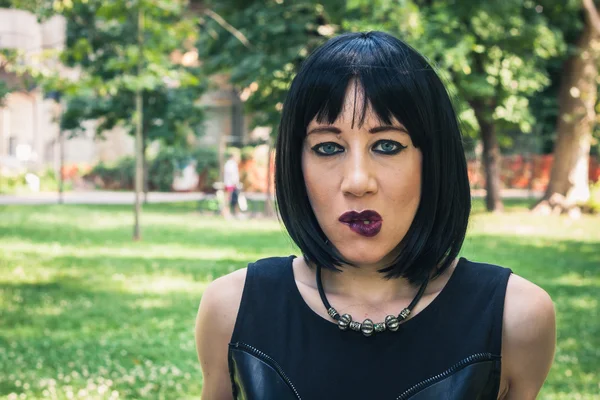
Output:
x=365 y=285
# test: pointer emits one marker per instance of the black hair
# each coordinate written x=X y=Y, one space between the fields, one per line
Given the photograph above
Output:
x=397 y=82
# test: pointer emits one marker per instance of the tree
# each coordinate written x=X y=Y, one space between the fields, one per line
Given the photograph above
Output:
x=277 y=37
x=496 y=54
x=577 y=98
x=4 y=88
x=483 y=50
x=104 y=43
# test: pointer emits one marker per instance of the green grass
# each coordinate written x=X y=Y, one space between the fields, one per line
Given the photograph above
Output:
x=87 y=313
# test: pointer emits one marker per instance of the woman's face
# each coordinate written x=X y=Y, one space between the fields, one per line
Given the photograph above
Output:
x=354 y=169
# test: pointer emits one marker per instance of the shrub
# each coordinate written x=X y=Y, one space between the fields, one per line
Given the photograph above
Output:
x=593 y=204
x=207 y=167
x=10 y=184
x=247 y=153
x=118 y=176
x=162 y=168
x=125 y=172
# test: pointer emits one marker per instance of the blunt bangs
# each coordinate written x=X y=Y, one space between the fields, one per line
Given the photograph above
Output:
x=395 y=82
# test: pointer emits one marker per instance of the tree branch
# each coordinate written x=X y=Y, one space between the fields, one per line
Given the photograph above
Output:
x=221 y=21
x=592 y=14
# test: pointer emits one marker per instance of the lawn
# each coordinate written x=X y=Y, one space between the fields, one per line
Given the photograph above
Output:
x=87 y=313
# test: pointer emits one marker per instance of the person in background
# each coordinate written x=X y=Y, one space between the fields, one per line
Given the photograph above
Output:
x=231 y=179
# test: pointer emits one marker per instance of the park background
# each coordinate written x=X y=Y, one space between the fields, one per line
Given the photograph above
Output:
x=115 y=118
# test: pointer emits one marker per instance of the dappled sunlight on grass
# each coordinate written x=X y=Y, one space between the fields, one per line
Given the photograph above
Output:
x=163 y=284
x=525 y=224
x=575 y=279
x=583 y=303
x=87 y=313
x=156 y=252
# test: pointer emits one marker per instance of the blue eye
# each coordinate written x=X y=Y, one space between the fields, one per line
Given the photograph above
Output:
x=327 y=149
x=388 y=147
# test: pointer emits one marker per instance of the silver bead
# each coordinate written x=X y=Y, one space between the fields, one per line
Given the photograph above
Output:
x=355 y=326
x=404 y=314
x=333 y=313
x=392 y=323
x=379 y=327
x=367 y=327
x=344 y=321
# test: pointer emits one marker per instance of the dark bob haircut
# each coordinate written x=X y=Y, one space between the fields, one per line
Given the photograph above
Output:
x=397 y=82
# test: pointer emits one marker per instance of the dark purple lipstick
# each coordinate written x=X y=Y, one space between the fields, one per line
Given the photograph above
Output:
x=366 y=223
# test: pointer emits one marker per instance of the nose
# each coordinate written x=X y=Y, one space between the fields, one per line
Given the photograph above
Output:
x=359 y=178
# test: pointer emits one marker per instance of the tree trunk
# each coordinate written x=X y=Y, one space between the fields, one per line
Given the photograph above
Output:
x=569 y=176
x=61 y=166
x=145 y=166
x=139 y=168
x=491 y=157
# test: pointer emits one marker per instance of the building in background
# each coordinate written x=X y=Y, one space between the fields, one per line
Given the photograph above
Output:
x=28 y=129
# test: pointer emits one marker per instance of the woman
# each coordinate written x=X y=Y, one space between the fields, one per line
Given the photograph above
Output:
x=372 y=187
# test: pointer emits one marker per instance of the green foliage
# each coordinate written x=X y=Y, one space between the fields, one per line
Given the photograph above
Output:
x=42 y=8
x=280 y=36
x=16 y=183
x=161 y=169
x=102 y=42
x=49 y=181
x=495 y=54
x=13 y=183
x=230 y=151
x=8 y=63
x=4 y=90
x=164 y=166
x=247 y=153
x=170 y=160
x=593 y=203
x=117 y=176
x=206 y=159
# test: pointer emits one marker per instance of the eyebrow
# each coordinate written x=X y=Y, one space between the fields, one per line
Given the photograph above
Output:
x=377 y=129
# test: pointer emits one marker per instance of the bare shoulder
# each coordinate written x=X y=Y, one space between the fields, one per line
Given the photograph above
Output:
x=528 y=338
x=214 y=326
x=529 y=311
x=222 y=297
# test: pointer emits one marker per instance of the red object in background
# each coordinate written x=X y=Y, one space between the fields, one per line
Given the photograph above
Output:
x=594 y=169
x=254 y=175
x=73 y=171
x=521 y=172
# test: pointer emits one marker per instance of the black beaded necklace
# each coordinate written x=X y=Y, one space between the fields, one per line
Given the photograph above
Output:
x=367 y=327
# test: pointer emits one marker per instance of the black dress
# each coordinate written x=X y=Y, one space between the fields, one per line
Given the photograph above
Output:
x=281 y=349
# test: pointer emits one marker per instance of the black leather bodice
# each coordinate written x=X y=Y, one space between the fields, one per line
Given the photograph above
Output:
x=299 y=355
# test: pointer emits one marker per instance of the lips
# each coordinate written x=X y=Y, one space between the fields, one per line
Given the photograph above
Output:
x=366 y=223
